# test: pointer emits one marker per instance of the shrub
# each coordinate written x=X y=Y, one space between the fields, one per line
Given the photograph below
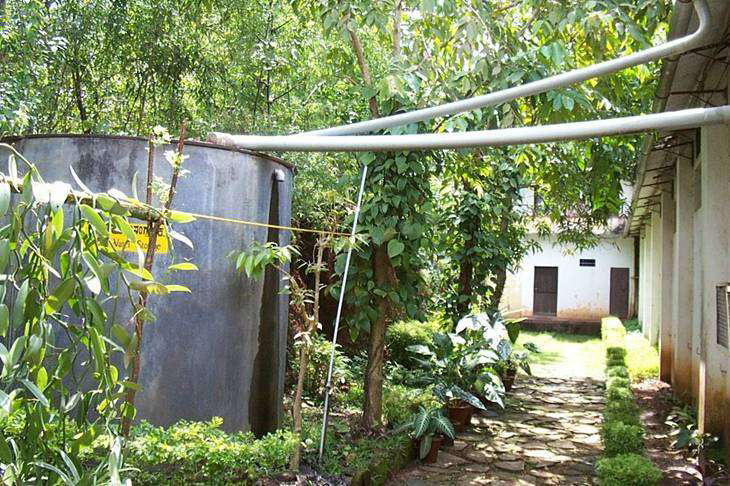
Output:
x=616 y=352
x=625 y=411
x=202 y=453
x=615 y=361
x=627 y=470
x=612 y=331
x=399 y=402
x=621 y=438
x=315 y=377
x=642 y=359
x=632 y=325
x=618 y=381
x=619 y=393
x=409 y=333
x=617 y=371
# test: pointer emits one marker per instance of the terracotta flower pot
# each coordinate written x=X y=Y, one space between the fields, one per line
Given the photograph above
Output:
x=472 y=409
x=433 y=453
x=508 y=380
x=460 y=415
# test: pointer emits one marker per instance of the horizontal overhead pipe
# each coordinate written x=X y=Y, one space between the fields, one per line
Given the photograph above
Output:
x=669 y=49
x=676 y=120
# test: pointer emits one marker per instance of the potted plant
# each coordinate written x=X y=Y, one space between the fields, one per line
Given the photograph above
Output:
x=511 y=360
x=428 y=427
x=456 y=366
x=500 y=335
x=460 y=404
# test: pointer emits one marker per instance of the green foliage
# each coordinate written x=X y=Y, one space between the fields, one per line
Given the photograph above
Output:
x=399 y=401
x=612 y=332
x=622 y=438
x=616 y=361
x=622 y=432
x=627 y=470
x=618 y=381
x=625 y=411
x=403 y=334
x=632 y=325
x=349 y=453
x=61 y=385
x=683 y=421
x=202 y=453
x=254 y=260
x=461 y=367
x=315 y=378
x=394 y=213
x=619 y=393
x=481 y=232
x=617 y=371
x=616 y=352
x=425 y=424
x=642 y=358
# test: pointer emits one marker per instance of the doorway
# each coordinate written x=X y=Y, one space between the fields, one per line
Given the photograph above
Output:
x=619 y=300
x=545 y=302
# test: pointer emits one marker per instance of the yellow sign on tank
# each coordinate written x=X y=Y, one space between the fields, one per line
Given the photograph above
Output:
x=119 y=241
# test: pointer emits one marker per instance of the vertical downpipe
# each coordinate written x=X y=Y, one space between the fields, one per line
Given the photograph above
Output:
x=265 y=399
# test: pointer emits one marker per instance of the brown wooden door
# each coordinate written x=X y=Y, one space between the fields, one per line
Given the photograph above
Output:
x=619 y=304
x=545 y=302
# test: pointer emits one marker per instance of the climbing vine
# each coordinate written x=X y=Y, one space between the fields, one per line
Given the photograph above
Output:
x=64 y=340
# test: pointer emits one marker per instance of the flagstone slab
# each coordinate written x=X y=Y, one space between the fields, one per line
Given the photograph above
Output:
x=514 y=466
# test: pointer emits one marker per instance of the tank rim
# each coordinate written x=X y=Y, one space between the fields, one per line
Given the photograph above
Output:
x=193 y=143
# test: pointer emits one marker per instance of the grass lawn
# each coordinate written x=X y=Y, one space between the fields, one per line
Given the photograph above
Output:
x=565 y=355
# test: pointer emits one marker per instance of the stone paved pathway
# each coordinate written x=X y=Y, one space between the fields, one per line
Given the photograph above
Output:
x=547 y=434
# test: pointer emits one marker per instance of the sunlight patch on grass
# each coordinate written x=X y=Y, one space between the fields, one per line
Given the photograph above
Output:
x=642 y=359
x=565 y=355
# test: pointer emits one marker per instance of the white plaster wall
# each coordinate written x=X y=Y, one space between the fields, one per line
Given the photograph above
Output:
x=583 y=292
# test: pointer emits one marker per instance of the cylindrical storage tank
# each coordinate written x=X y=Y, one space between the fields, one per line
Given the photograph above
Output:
x=219 y=351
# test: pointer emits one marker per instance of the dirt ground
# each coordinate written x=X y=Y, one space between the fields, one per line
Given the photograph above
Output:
x=679 y=467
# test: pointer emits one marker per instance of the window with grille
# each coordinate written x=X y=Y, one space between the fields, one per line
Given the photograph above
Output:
x=722 y=314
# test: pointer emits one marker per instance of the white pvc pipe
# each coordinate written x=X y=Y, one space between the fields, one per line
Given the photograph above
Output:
x=675 y=120
x=673 y=48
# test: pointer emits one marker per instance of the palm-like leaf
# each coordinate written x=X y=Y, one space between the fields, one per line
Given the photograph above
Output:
x=421 y=422
x=425 y=447
x=444 y=425
x=490 y=392
x=467 y=397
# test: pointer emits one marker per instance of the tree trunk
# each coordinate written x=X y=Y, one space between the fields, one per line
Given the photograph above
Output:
x=466 y=267
x=500 y=280
x=501 y=274
x=304 y=358
x=372 y=415
x=466 y=275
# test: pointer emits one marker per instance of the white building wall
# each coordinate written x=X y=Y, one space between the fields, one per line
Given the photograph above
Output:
x=583 y=292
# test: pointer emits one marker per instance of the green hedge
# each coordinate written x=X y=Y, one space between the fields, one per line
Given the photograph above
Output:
x=202 y=453
x=612 y=331
x=622 y=433
x=620 y=438
x=627 y=470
